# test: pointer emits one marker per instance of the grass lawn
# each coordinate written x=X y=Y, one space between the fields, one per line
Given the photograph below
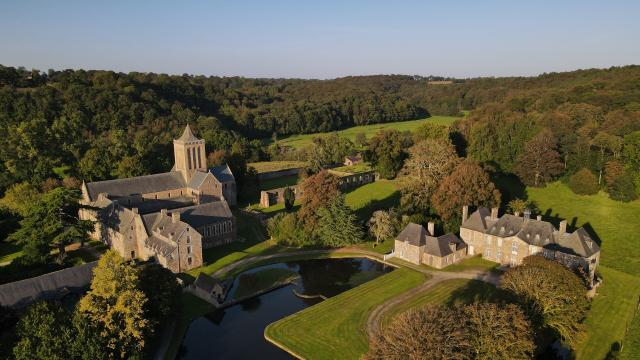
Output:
x=473 y=263
x=335 y=328
x=631 y=349
x=278 y=182
x=455 y=291
x=611 y=313
x=267 y=166
x=616 y=226
x=9 y=251
x=252 y=283
x=368 y=198
x=354 y=169
x=298 y=141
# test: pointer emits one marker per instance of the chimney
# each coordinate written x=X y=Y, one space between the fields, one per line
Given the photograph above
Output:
x=527 y=214
x=175 y=217
x=465 y=213
x=431 y=228
x=135 y=210
x=539 y=217
x=563 y=227
x=494 y=213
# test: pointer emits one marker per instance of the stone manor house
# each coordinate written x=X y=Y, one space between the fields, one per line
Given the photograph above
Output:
x=507 y=240
x=169 y=217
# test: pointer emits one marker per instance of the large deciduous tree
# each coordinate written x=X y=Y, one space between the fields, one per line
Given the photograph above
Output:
x=432 y=332
x=429 y=162
x=540 y=161
x=317 y=191
x=386 y=150
x=381 y=225
x=468 y=184
x=584 y=182
x=552 y=296
x=499 y=332
x=43 y=333
x=116 y=307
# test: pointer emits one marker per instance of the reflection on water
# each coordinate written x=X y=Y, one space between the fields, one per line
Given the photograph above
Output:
x=237 y=332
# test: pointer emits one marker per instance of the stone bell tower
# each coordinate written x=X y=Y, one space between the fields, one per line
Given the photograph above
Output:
x=189 y=154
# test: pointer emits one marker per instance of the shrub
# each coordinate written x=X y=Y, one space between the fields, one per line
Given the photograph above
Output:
x=623 y=189
x=583 y=182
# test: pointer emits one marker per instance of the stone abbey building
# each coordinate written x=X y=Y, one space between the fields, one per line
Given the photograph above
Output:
x=169 y=217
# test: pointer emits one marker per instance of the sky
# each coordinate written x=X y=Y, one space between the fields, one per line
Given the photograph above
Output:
x=321 y=39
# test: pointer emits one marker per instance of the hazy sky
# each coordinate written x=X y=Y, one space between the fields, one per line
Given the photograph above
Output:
x=321 y=39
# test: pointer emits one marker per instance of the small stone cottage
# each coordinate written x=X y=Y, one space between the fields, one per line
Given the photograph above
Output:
x=418 y=245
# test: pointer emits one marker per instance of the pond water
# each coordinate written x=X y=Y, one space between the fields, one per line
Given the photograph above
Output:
x=237 y=332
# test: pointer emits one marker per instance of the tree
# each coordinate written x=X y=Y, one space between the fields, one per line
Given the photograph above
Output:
x=337 y=225
x=130 y=166
x=584 y=182
x=19 y=197
x=431 y=332
x=116 y=307
x=381 y=225
x=43 y=333
x=286 y=230
x=631 y=151
x=518 y=206
x=623 y=189
x=361 y=140
x=328 y=150
x=429 y=162
x=289 y=198
x=607 y=144
x=613 y=169
x=317 y=191
x=499 y=332
x=161 y=289
x=468 y=184
x=387 y=153
x=430 y=130
x=552 y=296
x=52 y=221
x=540 y=162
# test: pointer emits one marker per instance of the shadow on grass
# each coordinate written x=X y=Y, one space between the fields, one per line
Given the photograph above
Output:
x=510 y=187
x=365 y=212
x=480 y=292
x=572 y=224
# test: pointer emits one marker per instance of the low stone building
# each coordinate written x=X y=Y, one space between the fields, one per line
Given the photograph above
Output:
x=208 y=289
x=348 y=181
x=418 y=245
x=508 y=239
x=352 y=160
x=169 y=216
x=276 y=196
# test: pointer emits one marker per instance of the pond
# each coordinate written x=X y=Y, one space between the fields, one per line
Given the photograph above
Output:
x=237 y=332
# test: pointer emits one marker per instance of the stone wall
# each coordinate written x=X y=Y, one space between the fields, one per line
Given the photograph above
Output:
x=276 y=196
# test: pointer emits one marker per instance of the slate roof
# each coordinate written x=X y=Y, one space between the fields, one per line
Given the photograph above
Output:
x=204 y=214
x=187 y=135
x=538 y=233
x=579 y=243
x=439 y=246
x=206 y=282
x=222 y=173
x=507 y=225
x=414 y=234
x=197 y=179
x=136 y=185
x=46 y=287
x=479 y=220
x=160 y=246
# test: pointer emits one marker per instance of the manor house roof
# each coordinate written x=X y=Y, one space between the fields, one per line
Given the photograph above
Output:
x=414 y=234
x=440 y=246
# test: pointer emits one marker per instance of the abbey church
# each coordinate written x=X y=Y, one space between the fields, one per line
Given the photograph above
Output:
x=170 y=216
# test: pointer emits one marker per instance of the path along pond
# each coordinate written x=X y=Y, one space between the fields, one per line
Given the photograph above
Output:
x=237 y=332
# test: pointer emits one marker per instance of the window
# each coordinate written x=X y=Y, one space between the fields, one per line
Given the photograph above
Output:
x=499 y=254
x=189 y=261
x=188 y=249
x=487 y=253
x=514 y=247
x=488 y=241
x=133 y=254
x=188 y=239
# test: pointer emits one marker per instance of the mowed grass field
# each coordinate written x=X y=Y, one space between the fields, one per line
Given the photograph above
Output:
x=335 y=328
x=267 y=166
x=455 y=291
x=298 y=141
x=617 y=226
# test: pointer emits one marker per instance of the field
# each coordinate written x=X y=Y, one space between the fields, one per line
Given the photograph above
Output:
x=298 y=141
x=335 y=328
x=615 y=225
x=267 y=166
x=381 y=194
x=354 y=169
x=455 y=291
